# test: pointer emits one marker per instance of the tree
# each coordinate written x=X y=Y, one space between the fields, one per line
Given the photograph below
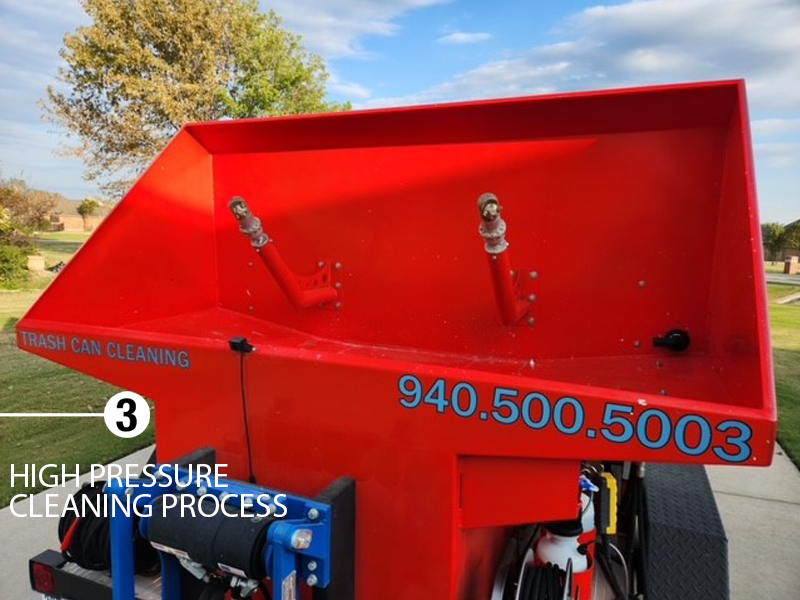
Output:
x=793 y=235
x=21 y=211
x=774 y=237
x=146 y=67
x=28 y=209
x=88 y=206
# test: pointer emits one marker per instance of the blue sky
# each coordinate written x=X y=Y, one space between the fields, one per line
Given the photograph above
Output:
x=397 y=52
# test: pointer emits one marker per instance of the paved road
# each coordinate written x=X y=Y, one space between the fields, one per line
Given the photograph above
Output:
x=760 y=509
x=783 y=279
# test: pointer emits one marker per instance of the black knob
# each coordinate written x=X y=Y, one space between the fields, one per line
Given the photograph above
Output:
x=676 y=340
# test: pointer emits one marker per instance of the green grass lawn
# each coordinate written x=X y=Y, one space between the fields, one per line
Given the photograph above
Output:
x=785 y=322
x=773 y=266
x=58 y=246
x=32 y=384
x=29 y=383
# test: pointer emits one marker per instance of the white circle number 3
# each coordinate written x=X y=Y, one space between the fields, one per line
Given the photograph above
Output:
x=127 y=414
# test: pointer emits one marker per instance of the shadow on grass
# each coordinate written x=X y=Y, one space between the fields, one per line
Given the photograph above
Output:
x=59 y=246
x=10 y=324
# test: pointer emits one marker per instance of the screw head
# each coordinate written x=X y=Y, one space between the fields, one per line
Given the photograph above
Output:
x=338 y=285
x=313 y=514
x=534 y=274
x=637 y=344
x=301 y=539
x=129 y=491
x=321 y=264
x=338 y=306
x=312 y=565
x=532 y=298
x=338 y=266
x=202 y=490
x=642 y=283
x=531 y=320
x=312 y=580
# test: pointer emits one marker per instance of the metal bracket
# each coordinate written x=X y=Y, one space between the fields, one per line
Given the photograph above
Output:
x=302 y=291
x=325 y=562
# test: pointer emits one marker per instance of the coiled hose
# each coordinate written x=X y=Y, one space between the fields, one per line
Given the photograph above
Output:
x=86 y=539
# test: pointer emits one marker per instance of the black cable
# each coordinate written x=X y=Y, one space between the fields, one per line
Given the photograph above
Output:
x=602 y=557
x=246 y=415
x=90 y=545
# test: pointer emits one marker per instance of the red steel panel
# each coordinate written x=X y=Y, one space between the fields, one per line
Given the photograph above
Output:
x=635 y=208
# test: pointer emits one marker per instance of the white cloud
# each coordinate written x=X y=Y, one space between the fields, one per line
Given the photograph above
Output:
x=778 y=154
x=650 y=41
x=765 y=127
x=334 y=28
x=348 y=89
x=462 y=37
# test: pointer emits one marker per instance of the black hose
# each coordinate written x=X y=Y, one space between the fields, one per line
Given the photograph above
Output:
x=90 y=542
x=542 y=583
x=604 y=560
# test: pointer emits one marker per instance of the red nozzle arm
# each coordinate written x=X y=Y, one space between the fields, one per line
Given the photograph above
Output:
x=303 y=292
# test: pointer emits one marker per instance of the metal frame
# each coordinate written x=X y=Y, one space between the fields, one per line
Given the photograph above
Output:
x=286 y=564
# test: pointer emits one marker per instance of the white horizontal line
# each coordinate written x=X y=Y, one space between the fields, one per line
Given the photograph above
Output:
x=51 y=414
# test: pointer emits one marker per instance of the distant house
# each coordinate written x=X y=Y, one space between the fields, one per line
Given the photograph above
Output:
x=65 y=217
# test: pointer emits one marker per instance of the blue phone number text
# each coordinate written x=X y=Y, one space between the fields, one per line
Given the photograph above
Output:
x=691 y=434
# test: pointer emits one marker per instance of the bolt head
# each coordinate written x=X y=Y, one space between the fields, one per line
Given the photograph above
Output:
x=338 y=306
x=338 y=266
x=642 y=283
x=301 y=539
x=313 y=514
x=129 y=491
x=531 y=320
x=534 y=275
x=202 y=490
x=532 y=298
x=312 y=580
x=312 y=565
x=321 y=264
x=338 y=285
